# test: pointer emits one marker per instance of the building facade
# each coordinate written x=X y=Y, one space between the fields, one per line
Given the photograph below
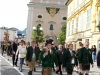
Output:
x=83 y=18
x=49 y=14
x=12 y=33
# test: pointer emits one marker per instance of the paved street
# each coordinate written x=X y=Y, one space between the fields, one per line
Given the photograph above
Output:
x=8 y=69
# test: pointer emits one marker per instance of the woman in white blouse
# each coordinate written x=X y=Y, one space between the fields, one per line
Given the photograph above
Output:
x=21 y=52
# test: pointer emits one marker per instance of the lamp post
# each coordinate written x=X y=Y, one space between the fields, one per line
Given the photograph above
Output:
x=98 y=26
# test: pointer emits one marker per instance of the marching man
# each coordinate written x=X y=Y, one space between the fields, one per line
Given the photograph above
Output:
x=48 y=58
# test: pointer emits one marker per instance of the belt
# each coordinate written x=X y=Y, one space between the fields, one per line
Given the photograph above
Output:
x=49 y=68
x=86 y=64
x=22 y=53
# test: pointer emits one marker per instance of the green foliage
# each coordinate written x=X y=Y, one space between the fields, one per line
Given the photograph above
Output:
x=62 y=35
x=37 y=35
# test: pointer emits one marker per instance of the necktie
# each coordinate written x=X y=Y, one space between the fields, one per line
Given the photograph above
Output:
x=49 y=52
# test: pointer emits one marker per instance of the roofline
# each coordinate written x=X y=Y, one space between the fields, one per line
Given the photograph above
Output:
x=9 y=29
x=45 y=5
x=68 y=2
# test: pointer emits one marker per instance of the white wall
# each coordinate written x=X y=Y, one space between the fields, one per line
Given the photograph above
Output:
x=12 y=34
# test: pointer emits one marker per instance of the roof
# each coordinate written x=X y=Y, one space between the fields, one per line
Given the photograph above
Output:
x=15 y=29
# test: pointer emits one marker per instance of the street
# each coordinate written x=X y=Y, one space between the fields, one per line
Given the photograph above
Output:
x=8 y=69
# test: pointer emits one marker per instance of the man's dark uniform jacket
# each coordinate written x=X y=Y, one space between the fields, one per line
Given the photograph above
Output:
x=98 y=58
x=67 y=58
x=30 y=53
x=85 y=56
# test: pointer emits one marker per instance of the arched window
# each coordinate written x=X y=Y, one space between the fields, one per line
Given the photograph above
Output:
x=51 y=27
x=39 y=25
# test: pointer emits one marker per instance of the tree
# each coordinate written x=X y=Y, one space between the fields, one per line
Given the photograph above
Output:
x=37 y=35
x=62 y=35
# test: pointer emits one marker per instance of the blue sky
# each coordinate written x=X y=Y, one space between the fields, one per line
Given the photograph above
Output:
x=13 y=13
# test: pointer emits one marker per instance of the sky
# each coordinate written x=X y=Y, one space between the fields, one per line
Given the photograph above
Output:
x=14 y=13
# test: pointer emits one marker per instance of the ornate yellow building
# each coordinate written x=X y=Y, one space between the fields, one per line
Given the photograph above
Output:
x=83 y=17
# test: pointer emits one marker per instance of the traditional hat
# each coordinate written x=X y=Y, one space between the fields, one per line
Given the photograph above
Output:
x=48 y=42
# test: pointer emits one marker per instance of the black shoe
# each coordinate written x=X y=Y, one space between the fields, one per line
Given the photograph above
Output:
x=80 y=73
x=34 y=69
x=86 y=74
x=61 y=73
x=56 y=72
x=16 y=65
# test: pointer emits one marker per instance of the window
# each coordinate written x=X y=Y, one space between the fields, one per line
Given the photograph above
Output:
x=72 y=26
x=99 y=15
x=58 y=2
x=51 y=27
x=68 y=29
x=39 y=16
x=88 y=18
x=86 y=40
x=47 y=1
x=41 y=1
x=76 y=24
x=82 y=22
x=77 y=2
x=39 y=25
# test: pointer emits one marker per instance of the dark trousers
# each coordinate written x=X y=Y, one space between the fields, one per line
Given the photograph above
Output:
x=21 y=63
x=60 y=63
x=2 y=52
x=69 y=71
x=14 y=60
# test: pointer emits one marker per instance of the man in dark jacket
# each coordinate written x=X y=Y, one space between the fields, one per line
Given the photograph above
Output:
x=65 y=47
x=14 y=49
x=59 y=57
x=98 y=59
x=69 y=60
x=85 y=58
x=32 y=56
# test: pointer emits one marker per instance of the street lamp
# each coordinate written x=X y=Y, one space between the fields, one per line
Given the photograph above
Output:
x=98 y=26
x=35 y=28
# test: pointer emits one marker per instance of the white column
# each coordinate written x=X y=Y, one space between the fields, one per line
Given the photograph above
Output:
x=29 y=24
x=31 y=0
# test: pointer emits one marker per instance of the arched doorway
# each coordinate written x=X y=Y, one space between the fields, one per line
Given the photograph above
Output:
x=50 y=41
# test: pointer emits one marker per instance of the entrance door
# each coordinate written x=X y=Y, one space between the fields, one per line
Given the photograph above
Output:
x=50 y=40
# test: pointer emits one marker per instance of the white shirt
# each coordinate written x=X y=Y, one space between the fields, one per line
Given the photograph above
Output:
x=70 y=51
x=22 y=51
x=73 y=60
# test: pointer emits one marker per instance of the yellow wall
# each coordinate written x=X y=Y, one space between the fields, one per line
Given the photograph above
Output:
x=91 y=33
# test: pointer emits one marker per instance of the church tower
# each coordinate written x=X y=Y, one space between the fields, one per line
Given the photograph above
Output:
x=50 y=14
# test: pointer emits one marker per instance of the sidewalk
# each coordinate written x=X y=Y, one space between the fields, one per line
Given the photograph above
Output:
x=7 y=69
